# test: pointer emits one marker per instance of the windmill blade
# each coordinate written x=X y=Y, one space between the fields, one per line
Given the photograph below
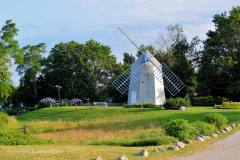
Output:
x=171 y=82
x=127 y=78
x=127 y=37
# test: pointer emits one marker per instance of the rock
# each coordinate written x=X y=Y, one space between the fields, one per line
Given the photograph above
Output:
x=227 y=129
x=223 y=131
x=123 y=157
x=237 y=125
x=207 y=137
x=214 y=135
x=233 y=125
x=180 y=144
x=183 y=108
x=174 y=148
x=187 y=141
x=217 y=132
x=159 y=149
x=143 y=153
x=198 y=138
x=203 y=137
x=97 y=158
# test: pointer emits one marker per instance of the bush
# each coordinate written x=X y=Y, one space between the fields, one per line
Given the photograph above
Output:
x=202 y=128
x=47 y=102
x=65 y=102
x=174 y=103
x=136 y=105
x=229 y=105
x=19 y=138
x=216 y=119
x=7 y=122
x=179 y=128
x=149 y=104
x=208 y=100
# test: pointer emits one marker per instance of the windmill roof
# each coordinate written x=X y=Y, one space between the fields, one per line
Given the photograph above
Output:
x=142 y=59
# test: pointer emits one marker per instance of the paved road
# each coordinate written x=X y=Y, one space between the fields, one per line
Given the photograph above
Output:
x=226 y=149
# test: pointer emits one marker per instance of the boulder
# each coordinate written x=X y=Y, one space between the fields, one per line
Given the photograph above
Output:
x=203 y=137
x=214 y=135
x=233 y=125
x=187 y=141
x=180 y=144
x=198 y=138
x=143 y=153
x=237 y=125
x=159 y=149
x=227 y=129
x=217 y=132
x=97 y=158
x=174 y=148
x=183 y=108
x=123 y=157
x=223 y=131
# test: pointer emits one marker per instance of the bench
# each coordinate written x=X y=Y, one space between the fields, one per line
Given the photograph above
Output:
x=105 y=104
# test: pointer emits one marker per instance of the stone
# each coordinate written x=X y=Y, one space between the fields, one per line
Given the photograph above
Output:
x=223 y=131
x=159 y=149
x=203 y=137
x=180 y=144
x=187 y=141
x=183 y=108
x=227 y=129
x=233 y=125
x=174 y=148
x=143 y=153
x=123 y=157
x=237 y=125
x=217 y=132
x=198 y=138
x=97 y=158
x=214 y=135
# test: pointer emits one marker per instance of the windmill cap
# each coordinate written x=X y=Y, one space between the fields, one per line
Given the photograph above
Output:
x=147 y=55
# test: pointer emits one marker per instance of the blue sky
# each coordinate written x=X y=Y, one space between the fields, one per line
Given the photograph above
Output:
x=55 y=21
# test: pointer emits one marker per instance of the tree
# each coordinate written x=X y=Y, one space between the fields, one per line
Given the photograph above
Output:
x=9 y=48
x=29 y=71
x=83 y=70
x=220 y=60
x=178 y=54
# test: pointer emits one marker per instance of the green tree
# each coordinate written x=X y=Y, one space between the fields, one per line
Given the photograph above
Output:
x=29 y=72
x=83 y=70
x=220 y=59
x=8 y=48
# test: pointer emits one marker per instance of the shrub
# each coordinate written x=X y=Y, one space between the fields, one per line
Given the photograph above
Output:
x=7 y=122
x=148 y=104
x=75 y=101
x=229 y=105
x=202 y=128
x=47 y=102
x=19 y=138
x=208 y=100
x=216 y=119
x=136 y=105
x=174 y=103
x=179 y=128
x=64 y=102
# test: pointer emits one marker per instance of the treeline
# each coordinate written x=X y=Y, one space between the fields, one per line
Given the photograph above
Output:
x=209 y=67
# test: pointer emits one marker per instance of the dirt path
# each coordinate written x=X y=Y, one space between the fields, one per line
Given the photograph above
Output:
x=226 y=149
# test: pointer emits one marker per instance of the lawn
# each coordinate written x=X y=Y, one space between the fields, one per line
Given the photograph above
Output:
x=84 y=133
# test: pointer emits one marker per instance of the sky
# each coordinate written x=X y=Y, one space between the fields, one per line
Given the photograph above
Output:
x=55 y=21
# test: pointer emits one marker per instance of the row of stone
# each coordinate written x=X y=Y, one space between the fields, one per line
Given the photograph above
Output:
x=178 y=145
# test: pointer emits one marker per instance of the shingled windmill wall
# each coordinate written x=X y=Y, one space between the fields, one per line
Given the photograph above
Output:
x=147 y=88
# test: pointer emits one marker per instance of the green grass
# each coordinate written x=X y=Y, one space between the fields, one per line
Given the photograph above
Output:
x=136 y=115
x=84 y=133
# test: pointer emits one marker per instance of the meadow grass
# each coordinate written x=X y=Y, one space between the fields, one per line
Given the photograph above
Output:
x=84 y=133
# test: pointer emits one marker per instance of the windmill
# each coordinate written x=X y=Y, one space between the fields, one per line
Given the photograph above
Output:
x=146 y=78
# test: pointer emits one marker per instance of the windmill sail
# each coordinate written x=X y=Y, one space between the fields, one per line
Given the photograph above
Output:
x=171 y=82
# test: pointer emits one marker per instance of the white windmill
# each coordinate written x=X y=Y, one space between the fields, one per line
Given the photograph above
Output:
x=146 y=79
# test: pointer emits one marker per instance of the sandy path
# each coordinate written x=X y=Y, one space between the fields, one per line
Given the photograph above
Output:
x=226 y=149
